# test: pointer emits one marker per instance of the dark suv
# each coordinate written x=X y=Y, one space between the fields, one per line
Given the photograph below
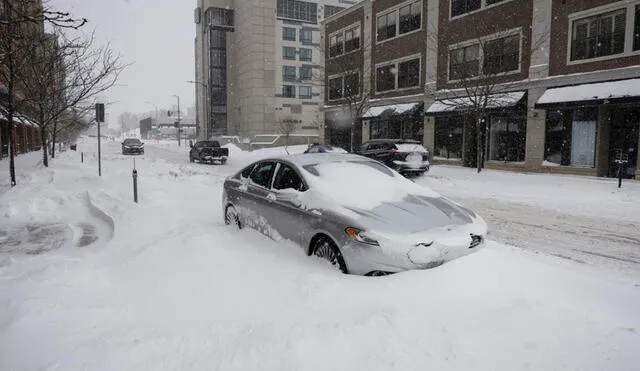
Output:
x=406 y=156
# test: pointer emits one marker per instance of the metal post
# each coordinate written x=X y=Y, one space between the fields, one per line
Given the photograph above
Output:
x=620 y=175
x=99 y=153
x=135 y=185
x=82 y=157
x=178 y=120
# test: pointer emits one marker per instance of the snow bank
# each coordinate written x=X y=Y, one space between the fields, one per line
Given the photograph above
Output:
x=177 y=290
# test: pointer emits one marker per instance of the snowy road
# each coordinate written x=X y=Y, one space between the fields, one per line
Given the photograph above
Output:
x=603 y=234
x=175 y=289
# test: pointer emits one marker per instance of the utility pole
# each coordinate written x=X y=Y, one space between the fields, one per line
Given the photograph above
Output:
x=178 y=119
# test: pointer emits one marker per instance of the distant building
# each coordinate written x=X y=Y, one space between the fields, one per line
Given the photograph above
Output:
x=257 y=64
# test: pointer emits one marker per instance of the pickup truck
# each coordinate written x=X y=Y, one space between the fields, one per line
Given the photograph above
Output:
x=208 y=151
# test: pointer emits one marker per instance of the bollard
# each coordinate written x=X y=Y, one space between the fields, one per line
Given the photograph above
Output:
x=82 y=157
x=135 y=185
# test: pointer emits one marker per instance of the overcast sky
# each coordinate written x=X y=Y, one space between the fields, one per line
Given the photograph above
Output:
x=156 y=36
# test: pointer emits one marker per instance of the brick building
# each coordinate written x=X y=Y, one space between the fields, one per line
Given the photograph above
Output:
x=564 y=79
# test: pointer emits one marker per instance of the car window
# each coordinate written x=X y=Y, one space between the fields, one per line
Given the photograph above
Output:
x=288 y=178
x=373 y=146
x=313 y=150
x=261 y=174
x=247 y=171
x=132 y=141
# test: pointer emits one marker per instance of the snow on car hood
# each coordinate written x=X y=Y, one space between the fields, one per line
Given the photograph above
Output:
x=360 y=185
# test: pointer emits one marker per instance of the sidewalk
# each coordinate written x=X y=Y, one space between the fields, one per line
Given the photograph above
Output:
x=26 y=163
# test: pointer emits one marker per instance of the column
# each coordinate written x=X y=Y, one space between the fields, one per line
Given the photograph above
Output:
x=603 y=140
x=536 y=125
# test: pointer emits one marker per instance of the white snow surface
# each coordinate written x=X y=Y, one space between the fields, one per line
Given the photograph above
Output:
x=584 y=92
x=175 y=289
x=411 y=147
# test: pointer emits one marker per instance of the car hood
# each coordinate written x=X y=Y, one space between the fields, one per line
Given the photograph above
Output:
x=413 y=214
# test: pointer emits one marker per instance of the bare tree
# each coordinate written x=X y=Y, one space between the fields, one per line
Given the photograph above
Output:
x=29 y=11
x=479 y=77
x=63 y=74
x=287 y=126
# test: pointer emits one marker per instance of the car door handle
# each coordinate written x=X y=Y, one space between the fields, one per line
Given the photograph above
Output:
x=271 y=197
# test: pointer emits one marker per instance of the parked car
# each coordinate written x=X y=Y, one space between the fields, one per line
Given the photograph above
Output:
x=208 y=151
x=408 y=157
x=324 y=148
x=132 y=146
x=352 y=211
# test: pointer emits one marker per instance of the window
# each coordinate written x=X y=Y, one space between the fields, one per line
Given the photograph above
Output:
x=491 y=2
x=288 y=91
x=306 y=35
x=262 y=173
x=570 y=137
x=335 y=88
x=464 y=62
x=636 y=29
x=298 y=10
x=352 y=85
x=306 y=54
x=306 y=73
x=507 y=139
x=352 y=39
x=410 y=17
x=330 y=10
x=336 y=45
x=409 y=74
x=459 y=7
x=501 y=55
x=387 y=26
x=288 y=73
x=598 y=36
x=288 y=53
x=400 y=75
x=448 y=136
x=288 y=178
x=305 y=92
x=244 y=174
x=289 y=34
x=385 y=78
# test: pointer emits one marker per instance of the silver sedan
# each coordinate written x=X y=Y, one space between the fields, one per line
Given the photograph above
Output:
x=356 y=213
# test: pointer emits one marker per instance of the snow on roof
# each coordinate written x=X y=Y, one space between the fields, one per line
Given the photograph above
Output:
x=493 y=101
x=596 y=91
x=395 y=108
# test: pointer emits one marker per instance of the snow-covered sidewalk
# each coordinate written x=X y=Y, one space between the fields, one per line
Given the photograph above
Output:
x=25 y=164
x=175 y=289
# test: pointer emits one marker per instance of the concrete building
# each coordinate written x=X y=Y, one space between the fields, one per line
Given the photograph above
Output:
x=564 y=79
x=257 y=64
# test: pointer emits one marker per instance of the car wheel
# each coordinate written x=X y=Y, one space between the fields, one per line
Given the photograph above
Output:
x=222 y=162
x=191 y=159
x=231 y=217
x=326 y=249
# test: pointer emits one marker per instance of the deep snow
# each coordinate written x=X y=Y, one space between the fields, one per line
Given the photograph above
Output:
x=175 y=289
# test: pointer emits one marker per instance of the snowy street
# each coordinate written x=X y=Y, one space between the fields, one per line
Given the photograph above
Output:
x=165 y=285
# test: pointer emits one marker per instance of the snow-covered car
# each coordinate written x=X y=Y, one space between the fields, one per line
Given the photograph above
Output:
x=208 y=151
x=406 y=156
x=324 y=148
x=132 y=146
x=356 y=213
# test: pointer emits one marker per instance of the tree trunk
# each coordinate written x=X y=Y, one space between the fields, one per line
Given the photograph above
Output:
x=53 y=142
x=43 y=138
x=12 y=154
x=479 y=144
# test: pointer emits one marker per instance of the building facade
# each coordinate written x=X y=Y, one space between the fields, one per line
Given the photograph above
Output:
x=257 y=65
x=548 y=86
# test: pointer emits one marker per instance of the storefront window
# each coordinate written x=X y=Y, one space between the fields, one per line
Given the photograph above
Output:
x=448 y=138
x=570 y=138
x=507 y=139
x=396 y=127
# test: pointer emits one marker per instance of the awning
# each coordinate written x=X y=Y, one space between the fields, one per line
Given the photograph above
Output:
x=392 y=109
x=501 y=100
x=590 y=92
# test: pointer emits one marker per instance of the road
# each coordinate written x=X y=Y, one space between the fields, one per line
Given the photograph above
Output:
x=603 y=240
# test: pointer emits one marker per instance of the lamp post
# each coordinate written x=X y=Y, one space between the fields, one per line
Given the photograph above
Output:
x=206 y=118
x=178 y=122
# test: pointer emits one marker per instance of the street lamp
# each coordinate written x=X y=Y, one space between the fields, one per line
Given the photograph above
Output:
x=207 y=115
x=178 y=122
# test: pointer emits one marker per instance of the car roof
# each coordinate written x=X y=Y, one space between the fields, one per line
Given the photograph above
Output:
x=304 y=159
x=400 y=141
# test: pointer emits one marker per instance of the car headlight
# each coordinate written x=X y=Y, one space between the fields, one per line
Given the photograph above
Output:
x=361 y=236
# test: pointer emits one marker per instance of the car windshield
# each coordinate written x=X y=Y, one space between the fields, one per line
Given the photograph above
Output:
x=208 y=143
x=132 y=141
